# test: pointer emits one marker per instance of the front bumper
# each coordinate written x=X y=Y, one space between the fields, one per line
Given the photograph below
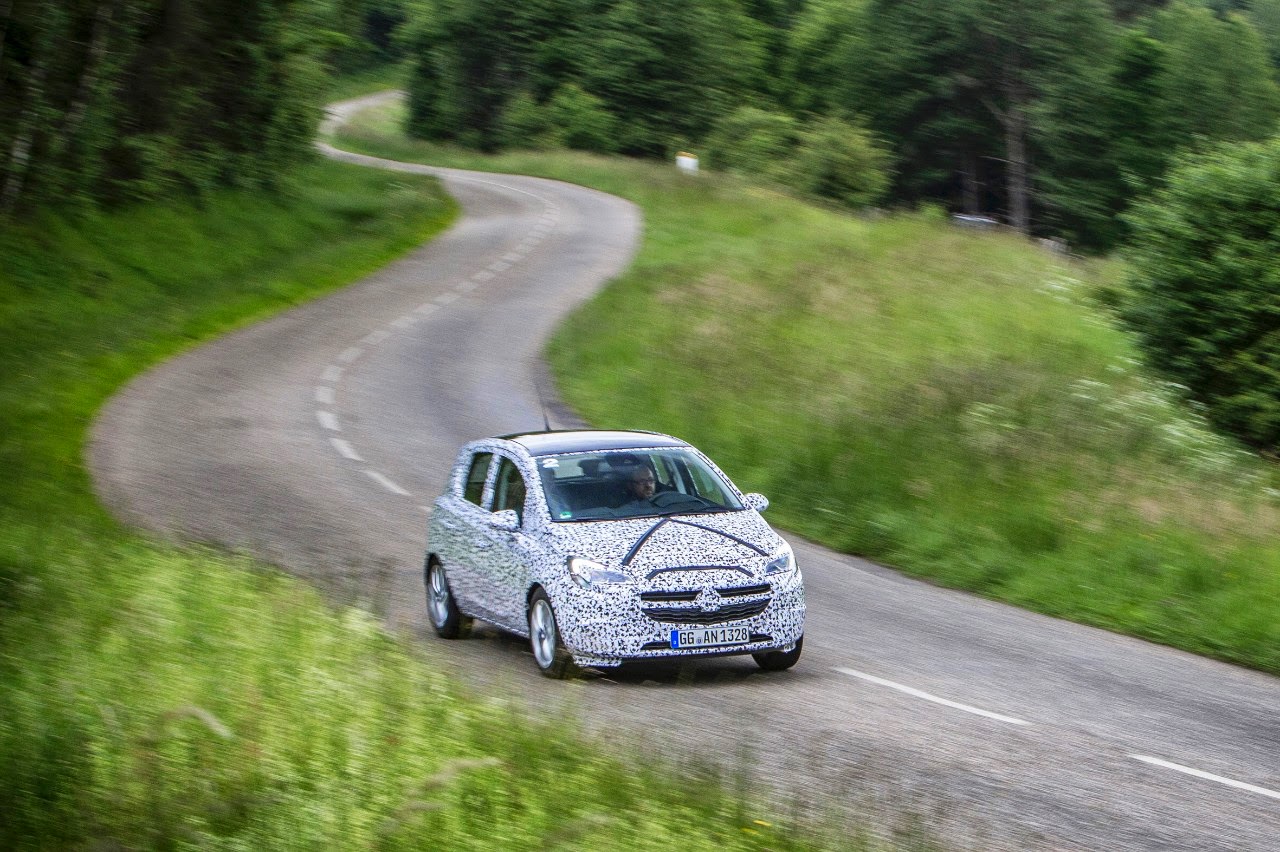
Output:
x=607 y=627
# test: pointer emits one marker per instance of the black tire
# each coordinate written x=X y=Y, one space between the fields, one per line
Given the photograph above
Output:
x=544 y=638
x=442 y=609
x=776 y=661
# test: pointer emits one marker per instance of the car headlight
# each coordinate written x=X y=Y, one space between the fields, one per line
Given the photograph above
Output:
x=590 y=574
x=784 y=562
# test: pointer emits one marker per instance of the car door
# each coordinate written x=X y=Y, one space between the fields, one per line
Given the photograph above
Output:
x=504 y=556
x=463 y=519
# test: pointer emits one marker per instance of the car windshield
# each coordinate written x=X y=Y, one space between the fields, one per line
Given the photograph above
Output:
x=606 y=485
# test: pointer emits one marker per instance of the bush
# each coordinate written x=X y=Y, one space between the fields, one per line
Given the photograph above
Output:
x=581 y=120
x=1206 y=285
x=572 y=118
x=842 y=162
x=525 y=125
x=753 y=141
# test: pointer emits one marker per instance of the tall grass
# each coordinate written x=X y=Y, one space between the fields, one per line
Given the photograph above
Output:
x=958 y=404
x=159 y=697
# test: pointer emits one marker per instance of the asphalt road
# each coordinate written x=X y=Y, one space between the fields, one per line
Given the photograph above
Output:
x=317 y=439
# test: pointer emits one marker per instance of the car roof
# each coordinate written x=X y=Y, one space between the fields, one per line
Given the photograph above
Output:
x=587 y=440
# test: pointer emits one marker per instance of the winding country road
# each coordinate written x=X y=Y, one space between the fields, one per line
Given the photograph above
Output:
x=315 y=441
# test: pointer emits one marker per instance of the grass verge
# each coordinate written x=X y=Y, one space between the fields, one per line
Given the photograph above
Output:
x=376 y=78
x=160 y=697
x=954 y=403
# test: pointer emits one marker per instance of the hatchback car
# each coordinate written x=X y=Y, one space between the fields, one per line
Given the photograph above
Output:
x=606 y=546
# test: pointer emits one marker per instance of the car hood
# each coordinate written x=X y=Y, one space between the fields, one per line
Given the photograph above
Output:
x=643 y=546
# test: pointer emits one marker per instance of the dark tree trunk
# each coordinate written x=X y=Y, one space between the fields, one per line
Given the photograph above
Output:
x=88 y=78
x=20 y=151
x=6 y=7
x=1016 y=185
x=970 y=185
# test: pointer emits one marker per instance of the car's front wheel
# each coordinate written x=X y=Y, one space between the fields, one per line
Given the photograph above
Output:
x=544 y=638
x=776 y=661
x=442 y=609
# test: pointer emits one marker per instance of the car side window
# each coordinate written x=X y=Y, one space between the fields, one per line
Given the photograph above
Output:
x=473 y=491
x=509 y=488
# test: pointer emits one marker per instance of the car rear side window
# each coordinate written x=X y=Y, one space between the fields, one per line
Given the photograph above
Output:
x=474 y=490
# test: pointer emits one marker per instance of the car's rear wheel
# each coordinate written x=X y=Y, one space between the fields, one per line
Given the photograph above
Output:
x=776 y=661
x=544 y=638
x=442 y=609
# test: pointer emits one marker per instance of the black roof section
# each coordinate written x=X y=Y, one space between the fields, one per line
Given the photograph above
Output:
x=588 y=440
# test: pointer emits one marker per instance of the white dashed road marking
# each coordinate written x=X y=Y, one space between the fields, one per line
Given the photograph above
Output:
x=332 y=373
x=350 y=354
x=324 y=395
x=483 y=275
x=345 y=449
x=935 y=699
x=373 y=338
x=387 y=483
x=1208 y=776
x=446 y=298
x=328 y=420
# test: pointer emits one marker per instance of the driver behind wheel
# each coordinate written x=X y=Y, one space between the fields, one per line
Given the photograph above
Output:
x=640 y=488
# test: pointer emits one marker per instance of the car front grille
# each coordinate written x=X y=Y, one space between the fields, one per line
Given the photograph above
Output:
x=685 y=595
x=694 y=615
x=744 y=591
x=665 y=597
x=735 y=603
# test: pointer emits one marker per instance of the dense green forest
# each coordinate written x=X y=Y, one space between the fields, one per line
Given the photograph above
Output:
x=112 y=101
x=1048 y=116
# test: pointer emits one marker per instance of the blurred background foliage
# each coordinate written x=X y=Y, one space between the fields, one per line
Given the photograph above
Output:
x=116 y=101
x=1050 y=117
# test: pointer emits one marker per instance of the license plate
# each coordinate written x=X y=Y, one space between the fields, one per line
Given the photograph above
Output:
x=709 y=637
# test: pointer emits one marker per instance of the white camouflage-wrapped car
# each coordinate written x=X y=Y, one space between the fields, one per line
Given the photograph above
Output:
x=604 y=546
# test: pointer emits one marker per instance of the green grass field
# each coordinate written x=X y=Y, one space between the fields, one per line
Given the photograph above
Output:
x=957 y=404
x=163 y=697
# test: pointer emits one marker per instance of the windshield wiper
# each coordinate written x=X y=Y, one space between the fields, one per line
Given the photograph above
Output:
x=705 y=510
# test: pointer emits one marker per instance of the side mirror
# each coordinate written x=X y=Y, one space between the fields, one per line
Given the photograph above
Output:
x=507 y=520
x=756 y=501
